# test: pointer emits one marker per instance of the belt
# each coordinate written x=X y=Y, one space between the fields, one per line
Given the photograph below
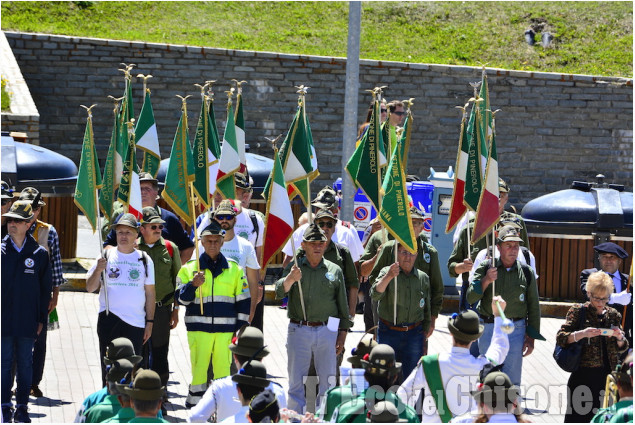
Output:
x=490 y=319
x=400 y=328
x=305 y=323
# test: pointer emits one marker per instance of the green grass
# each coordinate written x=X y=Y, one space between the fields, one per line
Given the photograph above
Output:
x=591 y=37
x=6 y=99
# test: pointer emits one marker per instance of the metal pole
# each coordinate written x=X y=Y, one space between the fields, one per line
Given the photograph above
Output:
x=350 y=105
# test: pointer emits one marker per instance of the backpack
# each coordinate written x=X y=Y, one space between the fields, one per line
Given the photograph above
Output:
x=254 y=221
x=527 y=270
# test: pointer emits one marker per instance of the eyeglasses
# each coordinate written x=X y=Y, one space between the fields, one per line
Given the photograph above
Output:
x=15 y=220
x=156 y=226
x=601 y=300
x=383 y=111
x=400 y=113
x=327 y=224
x=226 y=217
x=406 y=253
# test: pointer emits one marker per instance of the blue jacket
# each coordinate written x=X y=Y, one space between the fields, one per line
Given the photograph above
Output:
x=26 y=288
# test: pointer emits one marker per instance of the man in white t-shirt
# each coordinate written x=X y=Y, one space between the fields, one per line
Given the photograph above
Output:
x=130 y=287
x=343 y=235
x=240 y=250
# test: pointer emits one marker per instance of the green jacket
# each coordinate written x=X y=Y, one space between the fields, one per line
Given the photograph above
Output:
x=521 y=296
x=148 y=420
x=334 y=397
x=427 y=261
x=620 y=412
x=413 y=298
x=104 y=410
x=376 y=240
x=355 y=410
x=123 y=416
x=166 y=268
x=323 y=292
x=341 y=256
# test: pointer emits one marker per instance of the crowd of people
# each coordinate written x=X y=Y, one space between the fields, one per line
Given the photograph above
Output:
x=152 y=267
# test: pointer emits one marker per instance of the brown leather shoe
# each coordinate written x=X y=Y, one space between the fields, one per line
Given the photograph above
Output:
x=36 y=391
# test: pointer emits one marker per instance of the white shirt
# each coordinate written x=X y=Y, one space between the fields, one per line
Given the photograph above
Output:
x=459 y=375
x=342 y=235
x=482 y=254
x=244 y=227
x=241 y=251
x=126 y=280
x=239 y=418
x=221 y=398
x=495 y=418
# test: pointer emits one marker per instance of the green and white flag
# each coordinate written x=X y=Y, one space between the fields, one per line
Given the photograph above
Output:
x=206 y=152
x=88 y=177
x=239 y=121
x=148 y=138
x=229 y=158
x=180 y=173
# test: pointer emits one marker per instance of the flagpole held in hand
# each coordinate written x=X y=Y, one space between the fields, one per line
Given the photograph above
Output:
x=295 y=260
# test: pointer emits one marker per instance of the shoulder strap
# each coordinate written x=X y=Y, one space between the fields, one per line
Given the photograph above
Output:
x=144 y=259
x=254 y=220
x=526 y=254
x=432 y=371
x=527 y=271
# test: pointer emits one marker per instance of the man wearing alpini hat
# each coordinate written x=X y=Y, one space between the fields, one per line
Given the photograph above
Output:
x=220 y=400
x=6 y=193
x=456 y=368
x=315 y=287
x=250 y=380
x=147 y=395
x=518 y=282
x=25 y=295
x=610 y=256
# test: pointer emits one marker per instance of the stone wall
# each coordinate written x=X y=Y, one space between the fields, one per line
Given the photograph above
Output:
x=552 y=128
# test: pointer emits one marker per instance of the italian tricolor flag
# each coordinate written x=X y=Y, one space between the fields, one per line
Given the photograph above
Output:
x=279 y=217
x=240 y=132
x=458 y=208
x=229 y=159
x=487 y=214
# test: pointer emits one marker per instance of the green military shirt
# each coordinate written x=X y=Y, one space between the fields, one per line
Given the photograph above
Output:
x=104 y=410
x=148 y=420
x=460 y=251
x=521 y=296
x=334 y=397
x=323 y=290
x=341 y=256
x=376 y=240
x=620 y=412
x=124 y=415
x=427 y=261
x=166 y=268
x=356 y=410
x=413 y=298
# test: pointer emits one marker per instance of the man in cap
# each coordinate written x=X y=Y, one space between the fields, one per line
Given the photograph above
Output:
x=396 y=117
x=248 y=224
x=172 y=228
x=250 y=381
x=25 y=295
x=45 y=235
x=167 y=263
x=129 y=282
x=147 y=394
x=118 y=349
x=497 y=399
x=264 y=408
x=219 y=283
x=622 y=410
x=110 y=405
x=426 y=260
x=349 y=390
x=446 y=376
x=343 y=235
x=403 y=294
x=461 y=260
x=7 y=201
x=316 y=291
x=382 y=371
x=220 y=400
x=518 y=283
x=610 y=256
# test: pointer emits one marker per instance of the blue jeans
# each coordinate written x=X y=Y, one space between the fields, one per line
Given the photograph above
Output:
x=408 y=345
x=20 y=350
x=513 y=365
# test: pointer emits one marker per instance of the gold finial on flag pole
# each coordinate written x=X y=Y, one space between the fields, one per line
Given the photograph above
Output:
x=230 y=95
x=302 y=89
x=184 y=102
x=127 y=69
x=145 y=82
x=203 y=88
x=273 y=141
x=239 y=85
x=89 y=110
x=409 y=103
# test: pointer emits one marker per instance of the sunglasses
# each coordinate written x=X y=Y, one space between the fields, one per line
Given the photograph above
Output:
x=227 y=217
x=327 y=224
x=156 y=226
x=15 y=220
x=400 y=113
x=383 y=111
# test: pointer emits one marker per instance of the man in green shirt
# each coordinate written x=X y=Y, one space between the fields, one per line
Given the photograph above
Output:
x=147 y=394
x=110 y=406
x=516 y=283
x=167 y=263
x=317 y=295
x=427 y=260
x=382 y=372
x=403 y=293
x=622 y=411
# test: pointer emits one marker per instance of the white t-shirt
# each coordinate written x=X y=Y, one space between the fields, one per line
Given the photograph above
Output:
x=126 y=279
x=244 y=227
x=480 y=257
x=342 y=235
x=241 y=251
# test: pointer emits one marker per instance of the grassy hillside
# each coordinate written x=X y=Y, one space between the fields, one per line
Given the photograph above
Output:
x=591 y=37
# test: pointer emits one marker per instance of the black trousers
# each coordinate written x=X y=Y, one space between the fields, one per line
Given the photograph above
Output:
x=39 y=356
x=110 y=327
x=155 y=354
x=259 y=315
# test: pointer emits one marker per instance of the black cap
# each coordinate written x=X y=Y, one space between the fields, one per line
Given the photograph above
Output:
x=611 y=248
x=213 y=229
x=314 y=234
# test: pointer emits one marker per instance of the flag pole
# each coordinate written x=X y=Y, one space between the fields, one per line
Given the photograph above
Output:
x=395 y=306
x=295 y=260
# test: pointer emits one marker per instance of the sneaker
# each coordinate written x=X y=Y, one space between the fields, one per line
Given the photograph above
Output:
x=21 y=415
x=7 y=414
x=36 y=391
